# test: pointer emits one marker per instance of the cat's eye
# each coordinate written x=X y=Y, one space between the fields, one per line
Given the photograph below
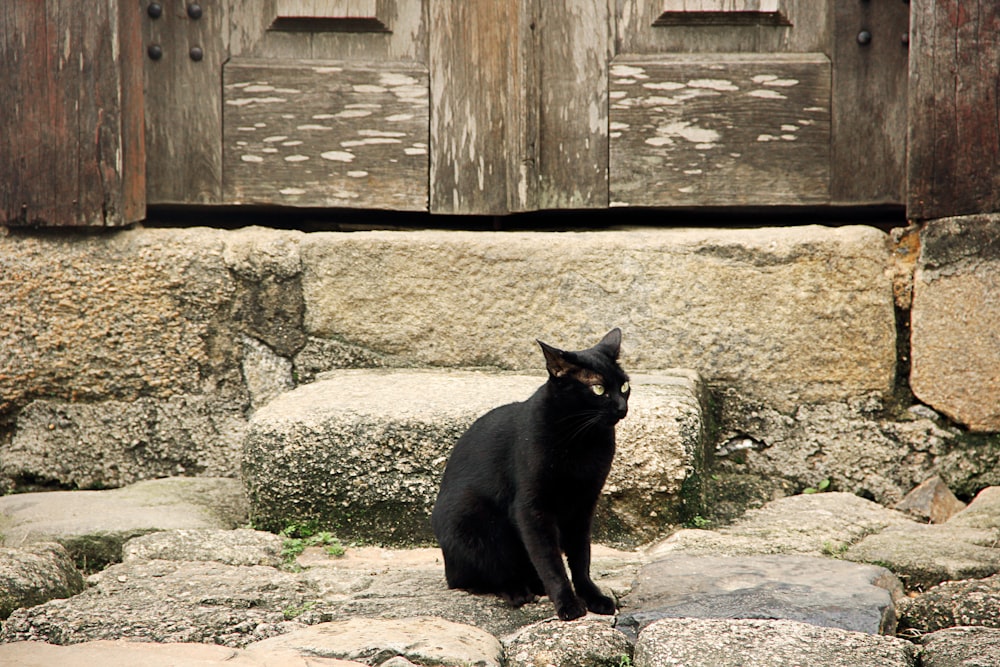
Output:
x=625 y=388
x=598 y=389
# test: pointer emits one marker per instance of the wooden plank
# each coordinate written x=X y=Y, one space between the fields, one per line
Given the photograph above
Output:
x=720 y=130
x=868 y=161
x=184 y=105
x=477 y=82
x=954 y=141
x=573 y=42
x=309 y=133
x=397 y=31
x=722 y=12
x=722 y=26
x=71 y=111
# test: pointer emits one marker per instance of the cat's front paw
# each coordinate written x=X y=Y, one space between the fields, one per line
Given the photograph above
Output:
x=601 y=604
x=569 y=606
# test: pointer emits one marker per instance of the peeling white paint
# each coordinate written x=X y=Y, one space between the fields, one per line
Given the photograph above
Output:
x=689 y=132
x=626 y=71
x=415 y=150
x=664 y=85
x=713 y=84
x=399 y=117
x=764 y=138
x=243 y=101
x=396 y=79
x=277 y=137
x=357 y=174
x=292 y=191
x=766 y=94
x=380 y=133
x=296 y=158
x=327 y=70
x=293 y=142
x=251 y=158
x=353 y=113
x=337 y=156
x=617 y=94
x=660 y=141
x=618 y=126
x=313 y=126
x=370 y=141
x=369 y=88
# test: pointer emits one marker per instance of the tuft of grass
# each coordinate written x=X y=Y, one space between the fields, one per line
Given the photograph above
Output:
x=298 y=536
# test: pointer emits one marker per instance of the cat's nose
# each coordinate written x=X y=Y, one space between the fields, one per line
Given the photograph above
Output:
x=621 y=409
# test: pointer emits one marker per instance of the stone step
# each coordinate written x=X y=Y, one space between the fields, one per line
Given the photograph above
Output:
x=362 y=451
x=93 y=525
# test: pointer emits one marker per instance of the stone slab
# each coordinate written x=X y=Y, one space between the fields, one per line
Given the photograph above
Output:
x=35 y=574
x=964 y=547
x=114 y=443
x=586 y=642
x=128 y=654
x=761 y=643
x=93 y=525
x=232 y=547
x=424 y=640
x=955 y=343
x=787 y=314
x=820 y=591
x=961 y=647
x=953 y=603
x=362 y=452
x=818 y=524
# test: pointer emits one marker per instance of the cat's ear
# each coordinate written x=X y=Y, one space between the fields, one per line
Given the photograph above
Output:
x=556 y=362
x=611 y=344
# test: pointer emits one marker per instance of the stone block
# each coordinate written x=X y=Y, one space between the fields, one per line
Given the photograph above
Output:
x=93 y=525
x=362 y=451
x=819 y=591
x=115 y=316
x=955 y=362
x=116 y=443
x=735 y=643
x=787 y=315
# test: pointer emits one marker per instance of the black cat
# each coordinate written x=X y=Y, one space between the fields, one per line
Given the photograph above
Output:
x=522 y=483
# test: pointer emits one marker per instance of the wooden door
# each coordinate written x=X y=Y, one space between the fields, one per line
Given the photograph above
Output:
x=758 y=103
x=71 y=144
x=499 y=106
x=311 y=103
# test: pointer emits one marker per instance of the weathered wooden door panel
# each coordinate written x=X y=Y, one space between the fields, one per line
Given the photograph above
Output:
x=717 y=103
x=868 y=159
x=358 y=30
x=519 y=94
x=720 y=130
x=311 y=133
x=185 y=50
x=954 y=101
x=71 y=124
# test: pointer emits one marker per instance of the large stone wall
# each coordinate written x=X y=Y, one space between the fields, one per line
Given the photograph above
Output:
x=143 y=353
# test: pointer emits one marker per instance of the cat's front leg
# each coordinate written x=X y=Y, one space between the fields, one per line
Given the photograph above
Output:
x=541 y=540
x=576 y=544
